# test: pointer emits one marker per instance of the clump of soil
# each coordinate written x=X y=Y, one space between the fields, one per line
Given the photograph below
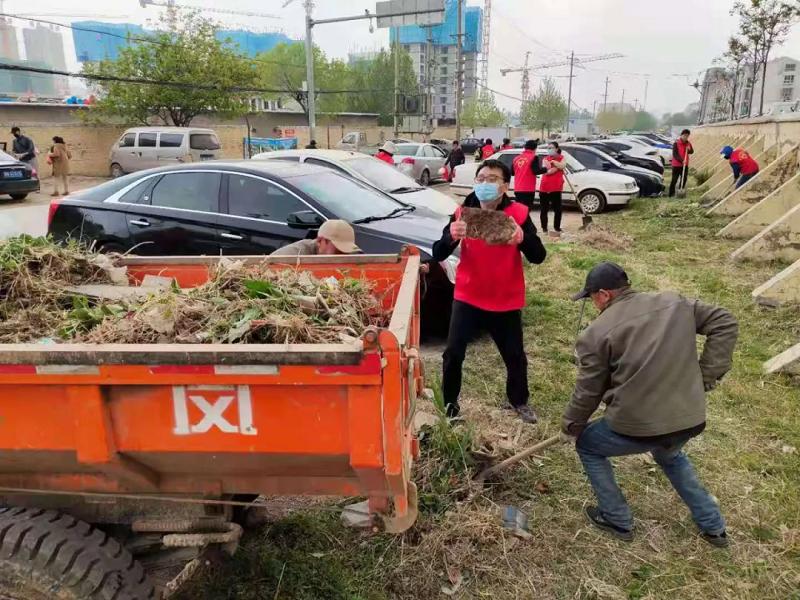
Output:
x=492 y=226
x=602 y=238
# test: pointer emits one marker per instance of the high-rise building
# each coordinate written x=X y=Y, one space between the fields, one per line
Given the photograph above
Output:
x=45 y=45
x=434 y=51
x=8 y=40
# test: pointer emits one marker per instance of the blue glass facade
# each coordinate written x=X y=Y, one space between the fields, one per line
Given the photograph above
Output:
x=445 y=34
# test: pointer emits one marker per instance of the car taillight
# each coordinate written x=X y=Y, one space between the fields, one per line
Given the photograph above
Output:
x=408 y=161
x=54 y=204
x=34 y=174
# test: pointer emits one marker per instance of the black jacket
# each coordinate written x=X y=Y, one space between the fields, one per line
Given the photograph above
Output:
x=531 y=245
x=23 y=146
x=455 y=158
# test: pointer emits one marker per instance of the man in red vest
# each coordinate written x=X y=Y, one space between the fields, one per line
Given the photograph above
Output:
x=526 y=167
x=488 y=149
x=743 y=165
x=681 y=150
x=490 y=289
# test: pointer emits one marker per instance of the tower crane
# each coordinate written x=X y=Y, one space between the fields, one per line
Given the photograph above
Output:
x=526 y=77
x=224 y=11
x=486 y=42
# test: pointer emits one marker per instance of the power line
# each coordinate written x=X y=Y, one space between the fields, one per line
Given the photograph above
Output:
x=488 y=89
x=528 y=37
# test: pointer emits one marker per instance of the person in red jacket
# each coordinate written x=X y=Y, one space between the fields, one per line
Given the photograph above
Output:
x=527 y=166
x=506 y=144
x=488 y=149
x=743 y=165
x=681 y=150
x=551 y=187
x=490 y=289
x=386 y=153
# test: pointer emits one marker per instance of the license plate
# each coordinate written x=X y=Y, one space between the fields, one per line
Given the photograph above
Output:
x=12 y=174
x=206 y=156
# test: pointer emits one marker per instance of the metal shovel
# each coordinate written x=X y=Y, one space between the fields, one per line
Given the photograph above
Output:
x=587 y=220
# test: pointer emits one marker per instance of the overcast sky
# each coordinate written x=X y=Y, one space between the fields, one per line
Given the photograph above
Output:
x=665 y=44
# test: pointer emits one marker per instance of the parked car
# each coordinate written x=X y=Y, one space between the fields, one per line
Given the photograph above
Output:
x=374 y=172
x=149 y=147
x=248 y=207
x=444 y=145
x=470 y=144
x=420 y=161
x=613 y=149
x=518 y=142
x=637 y=148
x=17 y=179
x=596 y=190
x=650 y=183
x=664 y=150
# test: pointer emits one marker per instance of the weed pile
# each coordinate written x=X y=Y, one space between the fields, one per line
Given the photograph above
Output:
x=602 y=238
x=250 y=304
x=493 y=226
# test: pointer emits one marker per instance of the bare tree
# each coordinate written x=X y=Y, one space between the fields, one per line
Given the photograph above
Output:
x=735 y=56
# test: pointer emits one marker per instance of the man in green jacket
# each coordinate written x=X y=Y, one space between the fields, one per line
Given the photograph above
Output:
x=639 y=358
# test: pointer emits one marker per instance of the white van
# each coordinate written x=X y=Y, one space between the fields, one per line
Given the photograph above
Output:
x=147 y=147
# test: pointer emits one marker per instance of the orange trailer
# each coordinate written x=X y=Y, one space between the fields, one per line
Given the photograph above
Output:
x=108 y=433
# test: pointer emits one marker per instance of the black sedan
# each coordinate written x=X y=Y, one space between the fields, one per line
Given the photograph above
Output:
x=649 y=182
x=470 y=145
x=17 y=179
x=611 y=149
x=247 y=207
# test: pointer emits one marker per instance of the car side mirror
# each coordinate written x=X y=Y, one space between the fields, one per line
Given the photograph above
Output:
x=304 y=219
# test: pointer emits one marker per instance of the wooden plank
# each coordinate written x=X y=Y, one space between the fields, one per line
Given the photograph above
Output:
x=404 y=306
x=353 y=259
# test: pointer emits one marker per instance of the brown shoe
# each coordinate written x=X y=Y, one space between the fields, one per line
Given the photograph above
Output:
x=526 y=413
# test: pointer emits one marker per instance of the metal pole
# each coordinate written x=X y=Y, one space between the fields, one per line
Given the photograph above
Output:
x=311 y=97
x=459 y=73
x=622 y=104
x=605 y=96
x=397 y=82
x=646 y=84
x=569 y=96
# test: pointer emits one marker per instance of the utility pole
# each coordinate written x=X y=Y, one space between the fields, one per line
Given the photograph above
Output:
x=622 y=104
x=396 y=82
x=605 y=96
x=569 y=95
x=459 y=72
x=644 y=104
x=311 y=102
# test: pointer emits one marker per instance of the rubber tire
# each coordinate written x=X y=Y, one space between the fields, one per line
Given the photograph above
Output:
x=18 y=196
x=51 y=556
x=602 y=203
x=425 y=178
x=116 y=171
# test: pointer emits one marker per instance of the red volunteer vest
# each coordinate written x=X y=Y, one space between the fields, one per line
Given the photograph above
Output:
x=554 y=182
x=487 y=151
x=385 y=157
x=491 y=277
x=524 y=179
x=683 y=149
x=747 y=163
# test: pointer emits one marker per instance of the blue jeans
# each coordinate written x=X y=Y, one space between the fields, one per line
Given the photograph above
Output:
x=598 y=442
x=744 y=179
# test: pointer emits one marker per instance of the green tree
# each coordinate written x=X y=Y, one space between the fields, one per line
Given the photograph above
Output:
x=481 y=111
x=614 y=120
x=644 y=121
x=185 y=52
x=546 y=111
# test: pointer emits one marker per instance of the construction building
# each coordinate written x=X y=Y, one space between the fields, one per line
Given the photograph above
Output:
x=434 y=51
x=44 y=49
x=44 y=45
x=8 y=40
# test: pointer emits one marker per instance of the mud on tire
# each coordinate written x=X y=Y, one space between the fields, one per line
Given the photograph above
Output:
x=46 y=555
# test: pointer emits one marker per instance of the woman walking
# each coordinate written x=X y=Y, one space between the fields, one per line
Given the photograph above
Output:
x=59 y=157
x=550 y=188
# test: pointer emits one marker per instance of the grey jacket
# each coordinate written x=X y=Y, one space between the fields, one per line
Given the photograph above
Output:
x=639 y=357
x=298 y=248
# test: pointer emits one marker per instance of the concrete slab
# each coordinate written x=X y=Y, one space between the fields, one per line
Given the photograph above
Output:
x=779 y=240
x=760 y=186
x=785 y=362
x=784 y=288
x=766 y=212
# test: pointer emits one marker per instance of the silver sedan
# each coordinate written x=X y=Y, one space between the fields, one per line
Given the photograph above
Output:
x=420 y=161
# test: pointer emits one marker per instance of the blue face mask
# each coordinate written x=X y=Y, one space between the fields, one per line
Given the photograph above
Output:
x=486 y=192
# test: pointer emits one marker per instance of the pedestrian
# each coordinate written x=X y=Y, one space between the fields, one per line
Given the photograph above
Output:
x=681 y=149
x=527 y=166
x=24 y=149
x=639 y=357
x=334 y=237
x=488 y=149
x=506 y=144
x=312 y=145
x=490 y=289
x=59 y=156
x=743 y=165
x=551 y=187
x=386 y=152
x=455 y=158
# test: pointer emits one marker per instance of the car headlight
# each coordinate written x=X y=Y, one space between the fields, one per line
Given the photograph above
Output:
x=450 y=265
x=630 y=185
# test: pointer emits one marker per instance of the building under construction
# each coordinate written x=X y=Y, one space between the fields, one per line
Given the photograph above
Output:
x=434 y=51
x=43 y=49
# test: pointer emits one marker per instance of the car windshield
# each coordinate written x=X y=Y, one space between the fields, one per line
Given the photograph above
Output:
x=572 y=163
x=346 y=198
x=204 y=141
x=104 y=190
x=407 y=149
x=380 y=174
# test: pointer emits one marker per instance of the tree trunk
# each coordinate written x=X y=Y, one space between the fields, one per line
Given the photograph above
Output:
x=735 y=89
x=763 y=84
x=752 y=90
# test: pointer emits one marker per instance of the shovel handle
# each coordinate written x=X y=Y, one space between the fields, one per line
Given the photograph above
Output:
x=551 y=441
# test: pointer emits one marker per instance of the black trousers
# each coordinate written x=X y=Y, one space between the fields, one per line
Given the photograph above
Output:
x=677 y=175
x=546 y=200
x=506 y=331
x=525 y=198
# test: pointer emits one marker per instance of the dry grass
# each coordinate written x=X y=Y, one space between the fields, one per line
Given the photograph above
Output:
x=493 y=226
x=603 y=238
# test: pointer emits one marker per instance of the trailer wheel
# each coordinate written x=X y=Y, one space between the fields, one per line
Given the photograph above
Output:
x=45 y=555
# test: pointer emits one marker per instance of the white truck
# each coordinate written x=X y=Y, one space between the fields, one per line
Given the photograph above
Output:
x=357 y=141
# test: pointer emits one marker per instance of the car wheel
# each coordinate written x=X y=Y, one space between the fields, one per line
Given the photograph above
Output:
x=592 y=202
x=18 y=196
x=425 y=178
x=116 y=171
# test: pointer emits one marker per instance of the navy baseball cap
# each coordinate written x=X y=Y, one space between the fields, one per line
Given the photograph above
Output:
x=603 y=276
